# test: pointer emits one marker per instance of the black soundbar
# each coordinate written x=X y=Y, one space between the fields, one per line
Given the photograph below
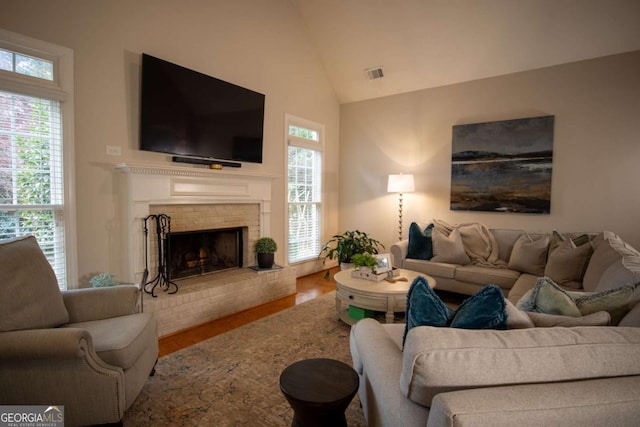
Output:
x=213 y=164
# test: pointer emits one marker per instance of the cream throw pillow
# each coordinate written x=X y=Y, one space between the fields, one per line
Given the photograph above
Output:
x=448 y=249
x=528 y=255
x=30 y=298
x=567 y=263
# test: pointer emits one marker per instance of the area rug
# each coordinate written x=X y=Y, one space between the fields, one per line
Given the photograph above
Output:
x=233 y=379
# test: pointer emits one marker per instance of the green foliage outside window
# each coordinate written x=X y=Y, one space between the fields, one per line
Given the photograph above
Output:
x=25 y=175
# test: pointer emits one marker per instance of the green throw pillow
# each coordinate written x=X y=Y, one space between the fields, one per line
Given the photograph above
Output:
x=617 y=302
x=420 y=245
x=547 y=297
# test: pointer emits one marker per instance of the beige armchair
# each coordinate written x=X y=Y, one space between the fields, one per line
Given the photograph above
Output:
x=90 y=350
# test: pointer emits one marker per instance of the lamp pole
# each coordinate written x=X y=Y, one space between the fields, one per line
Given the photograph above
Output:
x=400 y=184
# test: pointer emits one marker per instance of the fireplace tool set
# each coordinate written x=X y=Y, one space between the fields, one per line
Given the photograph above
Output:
x=162 y=279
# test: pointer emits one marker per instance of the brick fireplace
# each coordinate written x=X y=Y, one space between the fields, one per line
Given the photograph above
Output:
x=200 y=201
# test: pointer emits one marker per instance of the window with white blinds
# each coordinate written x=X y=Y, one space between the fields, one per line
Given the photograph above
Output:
x=304 y=190
x=31 y=157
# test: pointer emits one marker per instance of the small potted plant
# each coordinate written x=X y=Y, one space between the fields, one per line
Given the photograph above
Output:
x=365 y=261
x=344 y=246
x=264 y=248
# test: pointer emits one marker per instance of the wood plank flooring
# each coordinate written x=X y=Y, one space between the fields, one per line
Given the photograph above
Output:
x=308 y=287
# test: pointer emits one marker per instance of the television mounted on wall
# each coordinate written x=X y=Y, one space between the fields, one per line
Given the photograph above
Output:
x=198 y=118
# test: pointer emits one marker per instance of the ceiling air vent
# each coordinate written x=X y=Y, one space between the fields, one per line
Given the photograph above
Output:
x=374 y=73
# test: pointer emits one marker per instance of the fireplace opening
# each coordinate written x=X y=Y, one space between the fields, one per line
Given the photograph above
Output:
x=194 y=253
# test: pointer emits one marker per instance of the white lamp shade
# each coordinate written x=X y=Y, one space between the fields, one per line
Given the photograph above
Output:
x=401 y=183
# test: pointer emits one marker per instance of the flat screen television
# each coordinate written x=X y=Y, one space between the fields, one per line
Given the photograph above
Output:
x=193 y=115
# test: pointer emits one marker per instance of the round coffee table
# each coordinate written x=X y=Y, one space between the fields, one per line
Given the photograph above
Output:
x=319 y=391
x=382 y=296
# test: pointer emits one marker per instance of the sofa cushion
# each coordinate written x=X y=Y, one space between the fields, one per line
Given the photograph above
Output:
x=506 y=238
x=34 y=299
x=632 y=318
x=604 y=255
x=613 y=263
x=596 y=402
x=502 y=277
x=524 y=284
x=438 y=269
x=120 y=341
x=449 y=249
x=567 y=263
x=420 y=246
x=529 y=255
x=437 y=360
x=543 y=320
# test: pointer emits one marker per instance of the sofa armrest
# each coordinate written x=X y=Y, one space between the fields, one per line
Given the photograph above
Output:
x=399 y=251
x=59 y=365
x=378 y=361
x=89 y=304
x=54 y=343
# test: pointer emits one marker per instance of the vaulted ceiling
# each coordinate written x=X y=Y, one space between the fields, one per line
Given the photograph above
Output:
x=429 y=43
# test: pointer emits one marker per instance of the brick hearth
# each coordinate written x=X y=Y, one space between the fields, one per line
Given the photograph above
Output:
x=205 y=298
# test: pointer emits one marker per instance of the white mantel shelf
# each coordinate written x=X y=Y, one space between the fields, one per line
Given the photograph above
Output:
x=196 y=172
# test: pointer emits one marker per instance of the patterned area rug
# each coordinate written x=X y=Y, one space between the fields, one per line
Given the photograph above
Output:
x=233 y=379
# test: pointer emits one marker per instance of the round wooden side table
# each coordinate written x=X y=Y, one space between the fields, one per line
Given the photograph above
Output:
x=319 y=391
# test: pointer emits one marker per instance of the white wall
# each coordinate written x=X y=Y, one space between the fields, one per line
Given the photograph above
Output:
x=257 y=44
x=596 y=105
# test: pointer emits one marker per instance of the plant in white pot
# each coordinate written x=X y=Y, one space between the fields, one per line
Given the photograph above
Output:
x=344 y=246
x=264 y=248
x=365 y=262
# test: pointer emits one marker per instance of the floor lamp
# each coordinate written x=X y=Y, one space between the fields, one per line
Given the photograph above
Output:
x=400 y=184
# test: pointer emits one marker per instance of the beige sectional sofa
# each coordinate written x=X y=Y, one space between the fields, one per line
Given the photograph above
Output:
x=569 y=376
x=583 y=376
x=610 y=263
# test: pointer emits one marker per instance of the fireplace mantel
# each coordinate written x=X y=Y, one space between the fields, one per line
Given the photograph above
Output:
x=149 y=169
x=144 y=185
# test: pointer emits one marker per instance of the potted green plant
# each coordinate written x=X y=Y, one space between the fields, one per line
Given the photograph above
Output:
x=264 y=248
x=365 y=261
x=344 y=246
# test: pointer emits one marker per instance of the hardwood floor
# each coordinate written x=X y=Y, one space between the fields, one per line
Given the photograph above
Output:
x=307 y=287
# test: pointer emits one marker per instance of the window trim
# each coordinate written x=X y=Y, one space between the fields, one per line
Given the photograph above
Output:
x=290 y=119
x=60 y=89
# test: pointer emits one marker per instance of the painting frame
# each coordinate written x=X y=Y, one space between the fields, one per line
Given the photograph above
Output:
x=503 y=166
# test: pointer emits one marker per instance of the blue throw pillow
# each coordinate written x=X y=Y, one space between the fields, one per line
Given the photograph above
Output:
x=424 y=307
x=485 y=310
x=420 y=245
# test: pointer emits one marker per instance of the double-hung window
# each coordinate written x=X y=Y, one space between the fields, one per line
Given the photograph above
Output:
x=305 y=143
x=33 y=180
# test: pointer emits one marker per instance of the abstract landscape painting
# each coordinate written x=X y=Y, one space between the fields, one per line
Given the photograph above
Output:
x=503 y=166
